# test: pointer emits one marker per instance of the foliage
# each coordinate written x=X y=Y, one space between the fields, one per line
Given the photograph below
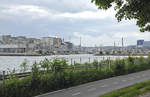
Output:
x=95 y=64
x=24 y=66
x=129 y=9
x=46 y=65
x=101 y=52
x=48 y=76
x=58 y=65
x=119 y=67
x=107 y=53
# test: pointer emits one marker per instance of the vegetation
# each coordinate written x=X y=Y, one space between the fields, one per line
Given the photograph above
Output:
x=129 y=9
x=132 y=91
x=48 y=76
x=24 y=66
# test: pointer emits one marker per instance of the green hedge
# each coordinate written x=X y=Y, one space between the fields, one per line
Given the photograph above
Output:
x=48 y=76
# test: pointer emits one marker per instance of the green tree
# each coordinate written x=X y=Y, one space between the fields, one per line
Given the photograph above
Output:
x=24 y=66
x=107 y=53
x=59 y=65
x=95 y=63
x=101 y=52
x=129 y=9
x=119 y=67
x=46 y=65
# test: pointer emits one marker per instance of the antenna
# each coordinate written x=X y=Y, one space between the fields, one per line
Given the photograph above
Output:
x=63 y=39
x=80 y=45
x=80 y=42
x=69 y=38
x=122 y=44
x=114 y=45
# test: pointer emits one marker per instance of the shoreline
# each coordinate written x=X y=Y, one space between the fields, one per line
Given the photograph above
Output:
x=20 y=54
x=26 y=54
x=124 y=55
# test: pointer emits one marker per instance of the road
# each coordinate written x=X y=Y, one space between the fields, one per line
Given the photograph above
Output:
x=94 y=89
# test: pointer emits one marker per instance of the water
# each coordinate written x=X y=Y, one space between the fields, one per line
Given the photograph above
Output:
x=13 y=62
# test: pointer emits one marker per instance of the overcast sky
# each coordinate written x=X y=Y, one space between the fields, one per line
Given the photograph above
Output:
x=68 y=19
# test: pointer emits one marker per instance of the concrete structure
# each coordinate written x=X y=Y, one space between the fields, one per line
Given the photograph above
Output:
x=51 y=43
x=13 y=48
x=5 y=38
x=65 y=48
x=20 y=44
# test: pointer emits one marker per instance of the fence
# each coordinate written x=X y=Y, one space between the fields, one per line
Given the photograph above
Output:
x=70 y=60
x=82 y=60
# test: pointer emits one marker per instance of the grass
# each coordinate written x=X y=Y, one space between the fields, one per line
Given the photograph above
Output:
x=132 y=91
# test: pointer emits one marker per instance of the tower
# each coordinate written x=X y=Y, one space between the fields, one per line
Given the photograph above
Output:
x=114 y=46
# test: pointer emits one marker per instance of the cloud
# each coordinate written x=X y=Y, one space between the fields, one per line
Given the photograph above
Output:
x=90 y=14
x=25 y=10
x=36 y=12
x=61 y=5
x=105 y=39
x=88 y=40
x=66 y=18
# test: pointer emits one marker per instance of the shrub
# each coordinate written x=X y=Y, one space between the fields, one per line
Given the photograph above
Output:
x=48 y=76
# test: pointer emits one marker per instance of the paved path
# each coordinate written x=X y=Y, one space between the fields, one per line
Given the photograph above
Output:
x=145 y=95
x=94 y=89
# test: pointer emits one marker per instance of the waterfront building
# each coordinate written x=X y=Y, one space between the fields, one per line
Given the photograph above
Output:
x=20 y=44
x=46 y=45
x=51 y=43
x=5 y=38
x=12 y=48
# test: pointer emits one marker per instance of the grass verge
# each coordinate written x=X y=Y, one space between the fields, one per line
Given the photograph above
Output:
x=132 y=91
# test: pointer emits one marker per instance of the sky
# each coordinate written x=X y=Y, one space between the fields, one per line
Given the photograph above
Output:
x=68 y=19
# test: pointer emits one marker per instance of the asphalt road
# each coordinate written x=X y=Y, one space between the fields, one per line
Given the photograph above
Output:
x=94 y=89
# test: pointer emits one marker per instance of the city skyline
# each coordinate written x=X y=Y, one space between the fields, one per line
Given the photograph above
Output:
x=77 y=19
x=115 y=43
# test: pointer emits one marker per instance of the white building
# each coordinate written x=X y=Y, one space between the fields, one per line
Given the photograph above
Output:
x=51 y=43
x=12 y=48
x=21 y=44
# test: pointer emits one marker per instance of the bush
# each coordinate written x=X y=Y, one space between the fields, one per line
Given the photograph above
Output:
x=119 y=67
x=48 y=76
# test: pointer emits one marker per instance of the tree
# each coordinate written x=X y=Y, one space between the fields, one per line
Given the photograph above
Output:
x=129 y=9
x=24 y=66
